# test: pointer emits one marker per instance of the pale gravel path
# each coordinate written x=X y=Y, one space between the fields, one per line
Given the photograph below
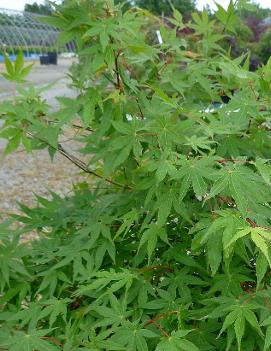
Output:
x=24 y=175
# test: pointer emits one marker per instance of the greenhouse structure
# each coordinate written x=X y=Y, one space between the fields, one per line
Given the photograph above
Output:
x=24 y=31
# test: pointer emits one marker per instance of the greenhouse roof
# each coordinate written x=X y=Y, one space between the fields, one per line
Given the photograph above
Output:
x=25 y=31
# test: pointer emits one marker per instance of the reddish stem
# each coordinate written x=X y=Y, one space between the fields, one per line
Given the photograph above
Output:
x=158 y=267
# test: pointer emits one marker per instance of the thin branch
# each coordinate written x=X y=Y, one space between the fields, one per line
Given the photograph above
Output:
x=117 y=71
x=79 y=163
x=225 y=160
x=52 y=340
x=140 y=109
x=253 y=224
x=159 y=317
x=250 y=84
x=161 y=329
x=80 y=127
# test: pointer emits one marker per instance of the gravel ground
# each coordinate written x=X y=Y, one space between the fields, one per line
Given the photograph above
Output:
x=24 y=175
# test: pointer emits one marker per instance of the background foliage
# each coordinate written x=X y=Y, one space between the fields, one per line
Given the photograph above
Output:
x=169 y=248
x=163 y=7
x=250 y=36
x=42 y=9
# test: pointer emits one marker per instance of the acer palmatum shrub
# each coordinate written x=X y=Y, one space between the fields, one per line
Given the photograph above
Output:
x=167 y=247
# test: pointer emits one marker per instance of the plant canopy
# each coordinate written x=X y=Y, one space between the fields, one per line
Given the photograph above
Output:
x=166 y=245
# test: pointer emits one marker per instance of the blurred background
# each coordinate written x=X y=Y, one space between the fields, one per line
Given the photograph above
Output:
x=21 y=28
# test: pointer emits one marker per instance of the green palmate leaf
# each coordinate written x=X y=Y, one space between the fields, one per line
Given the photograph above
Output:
x=237 y=181
x=9 y=66
x=13 y=143
x=150 y=237
x=114 y=315
x=11 y=259
x=237 y=319
x=227 y=17
x=240 y=234
x=252 y=320
x=176 y=342
x=267 y=342
x=262 y=244
x=229 y=320
x=103 y=279
x=25 y=71
x=214 y=249
x=20 y=290
x=178 y=19
x=16 y=72
x=202 y=24
x=195 y=172
x=199 y=143
x=217 y=236
x=128 y=220
x=19 y=63
x=239 y=328
x=164 y=204
x=36 y=340
x=55 y=308
x=100 y=341
x=133 y=337
x=264 y=169
x=259 y=236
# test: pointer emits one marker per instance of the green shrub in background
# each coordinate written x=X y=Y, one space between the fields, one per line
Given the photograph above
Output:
x=162 y=7
x=39 y=50
x=167 y=248
x=264 y=46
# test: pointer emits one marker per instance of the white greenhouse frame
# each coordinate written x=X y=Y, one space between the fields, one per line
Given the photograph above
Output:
x=23 y=31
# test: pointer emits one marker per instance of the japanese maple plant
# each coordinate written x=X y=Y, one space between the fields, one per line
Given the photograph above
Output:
x=166 y=245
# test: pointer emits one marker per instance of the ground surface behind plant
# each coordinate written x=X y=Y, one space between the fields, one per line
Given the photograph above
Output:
x=24 y=175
